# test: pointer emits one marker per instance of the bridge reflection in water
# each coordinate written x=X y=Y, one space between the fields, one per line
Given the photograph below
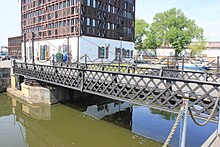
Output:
x=94 y=121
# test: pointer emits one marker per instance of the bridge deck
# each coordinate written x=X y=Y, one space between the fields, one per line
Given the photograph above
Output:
x=212 y=141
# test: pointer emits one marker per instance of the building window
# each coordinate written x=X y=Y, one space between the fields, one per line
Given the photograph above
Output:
x=128 y=54
x=94 y=3
x=42 y=52
x=93 y=22
x=88 y=3
x=101 y=52
x=88 y=21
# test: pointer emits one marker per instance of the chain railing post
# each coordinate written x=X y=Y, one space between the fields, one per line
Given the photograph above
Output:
x=119 y=58
x=85 y=61
x=218 y=131
x=183 y=61
x=32 y=47
x=161 y=72
x=184 y=120
x=218 y=64
x=25 y=53
x=82 y=79
x=12 y=66
x=53 y=60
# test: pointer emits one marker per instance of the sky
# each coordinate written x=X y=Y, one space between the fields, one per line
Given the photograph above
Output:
x=206 y=14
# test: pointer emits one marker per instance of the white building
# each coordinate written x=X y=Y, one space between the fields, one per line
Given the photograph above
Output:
x=104 y=29
x=44 y=49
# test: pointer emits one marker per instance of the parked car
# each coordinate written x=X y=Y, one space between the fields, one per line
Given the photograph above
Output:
x=4 y=56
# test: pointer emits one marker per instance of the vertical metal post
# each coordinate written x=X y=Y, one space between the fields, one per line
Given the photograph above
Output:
x=68 y=44
x=25 y=54
x=120 y=54
x=79 y=32
x=102 y=57
x=68 y=51
x=184 y=121
x=33 y=47
x=119 y=58
x=12 y=66
x=53 y=60
x=86 y=61
x=218 y=64
x=183 y=60
x=121 y=49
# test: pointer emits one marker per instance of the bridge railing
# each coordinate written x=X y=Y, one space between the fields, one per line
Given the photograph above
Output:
x=163 y=72
x=154 y=91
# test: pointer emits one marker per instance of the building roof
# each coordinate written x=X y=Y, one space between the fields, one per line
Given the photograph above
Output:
x=213 y=44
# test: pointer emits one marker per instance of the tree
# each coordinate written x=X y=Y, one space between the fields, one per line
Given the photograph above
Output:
x=197 y=47
x=140 y=31
x=174 y=28
x=151 y=41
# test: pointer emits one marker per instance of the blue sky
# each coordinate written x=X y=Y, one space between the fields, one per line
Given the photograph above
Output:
x=206 y=13
x=10 y=24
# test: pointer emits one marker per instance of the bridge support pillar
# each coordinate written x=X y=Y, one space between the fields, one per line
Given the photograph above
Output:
x=13 y=81
x=37 y=94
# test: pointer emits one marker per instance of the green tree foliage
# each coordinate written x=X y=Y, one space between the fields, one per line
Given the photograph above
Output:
x=140 y=31
x=197 y=47
x=152 y=41
x=172 y=27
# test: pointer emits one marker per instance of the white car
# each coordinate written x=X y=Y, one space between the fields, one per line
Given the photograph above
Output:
x=4 y=56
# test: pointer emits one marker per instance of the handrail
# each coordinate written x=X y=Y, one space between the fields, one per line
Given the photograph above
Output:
x=129 y=74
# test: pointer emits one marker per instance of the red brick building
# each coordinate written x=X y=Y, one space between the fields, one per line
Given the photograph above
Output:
x=14 y=47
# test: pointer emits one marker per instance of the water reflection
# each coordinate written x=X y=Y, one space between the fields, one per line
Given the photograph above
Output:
x=89 y=120
x=148 y=122
x=61 y=126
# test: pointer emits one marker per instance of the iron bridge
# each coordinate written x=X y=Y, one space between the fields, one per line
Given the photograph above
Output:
x=161 y=89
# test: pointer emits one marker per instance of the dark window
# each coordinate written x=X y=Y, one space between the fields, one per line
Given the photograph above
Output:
x=101 y=52
x=42 y=52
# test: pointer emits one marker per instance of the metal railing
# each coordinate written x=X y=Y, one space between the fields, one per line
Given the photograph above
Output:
x=155 y=91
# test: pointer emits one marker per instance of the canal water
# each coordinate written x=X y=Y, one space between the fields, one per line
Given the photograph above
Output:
x=90 y=121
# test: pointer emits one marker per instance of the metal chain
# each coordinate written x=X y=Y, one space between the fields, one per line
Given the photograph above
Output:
x=175 y=125
x=193 y=118
x=210 y=116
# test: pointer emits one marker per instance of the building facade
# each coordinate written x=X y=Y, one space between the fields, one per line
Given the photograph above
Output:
x=14 y=47
x=78 y=27
x=211 y=52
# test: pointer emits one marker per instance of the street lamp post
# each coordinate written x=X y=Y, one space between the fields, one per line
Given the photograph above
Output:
x=79 y=33
x=25 y=54
x=32 y=47
x=119 y=54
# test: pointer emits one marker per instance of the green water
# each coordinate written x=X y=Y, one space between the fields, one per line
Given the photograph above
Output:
x=24 y=125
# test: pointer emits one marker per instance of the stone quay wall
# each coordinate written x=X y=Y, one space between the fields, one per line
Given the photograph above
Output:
x=4 y=79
